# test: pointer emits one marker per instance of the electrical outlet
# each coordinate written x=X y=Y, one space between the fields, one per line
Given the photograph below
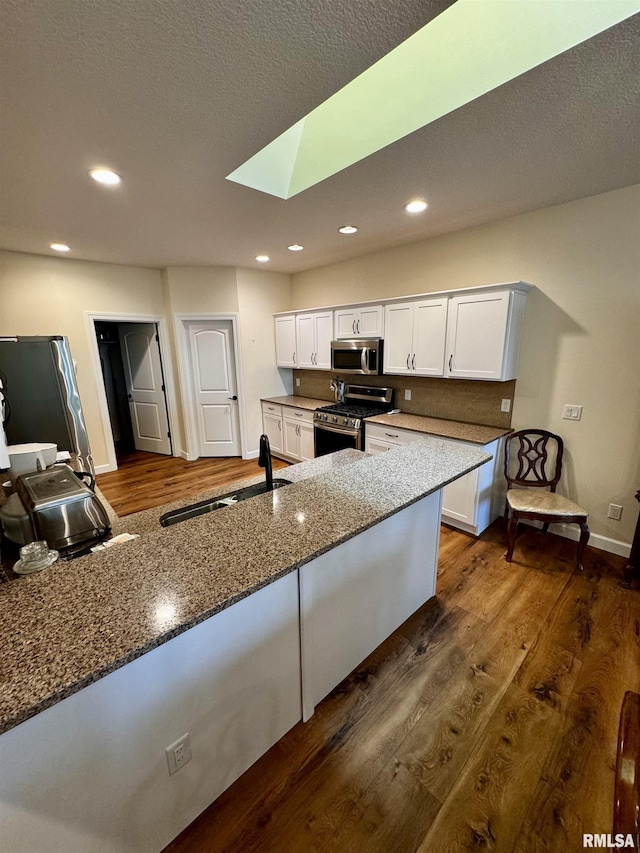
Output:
x=297 y=382
x=615 y=512
x=572 y=412
x=505 y=406
x=407 y=394
x=178 y=754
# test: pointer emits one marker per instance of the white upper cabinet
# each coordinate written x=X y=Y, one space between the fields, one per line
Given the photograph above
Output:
x=314 y=333
x=364 y=322
x=415 y=337
x=483 y=335
x=286 y=349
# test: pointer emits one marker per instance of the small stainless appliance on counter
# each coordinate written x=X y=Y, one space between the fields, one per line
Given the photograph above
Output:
x=341 y=426
x=359 y=355
x=60 y=509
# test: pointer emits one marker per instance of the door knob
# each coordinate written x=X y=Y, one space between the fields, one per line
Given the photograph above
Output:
x=129 y=397
x=235 y=397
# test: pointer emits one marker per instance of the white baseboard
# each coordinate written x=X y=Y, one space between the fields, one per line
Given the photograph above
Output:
x=251 y=454
x=105 y=469
x=184 y=455
x=596 y=540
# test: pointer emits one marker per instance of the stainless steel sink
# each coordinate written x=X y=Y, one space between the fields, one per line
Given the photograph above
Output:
x=220 y=501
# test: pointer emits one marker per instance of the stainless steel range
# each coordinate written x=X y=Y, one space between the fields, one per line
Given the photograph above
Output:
x=341 y=426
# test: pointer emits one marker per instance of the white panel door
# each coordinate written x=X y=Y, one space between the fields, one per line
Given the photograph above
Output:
x=307 y=445
x=145 y=388
x=429 y=335
x=398 y=343
x=215 y=389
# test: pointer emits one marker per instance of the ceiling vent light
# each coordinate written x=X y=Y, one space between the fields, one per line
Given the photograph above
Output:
x=106 y=177
x=295 y=248
x=416 y=206
x=348 y=229
x=262 y=259
x=59 y=247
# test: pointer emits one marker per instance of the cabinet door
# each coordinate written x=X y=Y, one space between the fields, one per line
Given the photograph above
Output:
x=369 y=322
x=459 y=499
x=286 y=341
x=429 y=335
x=476 y=335
x=398 y=323
x=307 y=450
x=272 y=426
x=292 y=439
x=377 y=445
x=345 y=320
x=305 y=337
x=323 y=328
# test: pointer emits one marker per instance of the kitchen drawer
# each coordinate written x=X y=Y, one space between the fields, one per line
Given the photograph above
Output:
x=390 y=435
x=300 y=415
x=272 y=409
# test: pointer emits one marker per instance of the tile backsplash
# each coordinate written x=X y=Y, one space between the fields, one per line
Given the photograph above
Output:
x=467 y=400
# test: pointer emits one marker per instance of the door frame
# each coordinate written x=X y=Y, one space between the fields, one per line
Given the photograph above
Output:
x=165 y=356
x=185 y=372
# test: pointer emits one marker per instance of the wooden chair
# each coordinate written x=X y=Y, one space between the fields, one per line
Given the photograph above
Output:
x=626 y=802
x=538 y=454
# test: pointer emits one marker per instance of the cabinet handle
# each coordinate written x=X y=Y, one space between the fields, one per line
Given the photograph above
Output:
x=271 y=408
x=408 y=357
x=413 y=361
x=315 y=358
x=353 y=327
x=298 y=414
x=392 y=434
x=358 y=326
x=450 y=361
x=280 y=425
x=294 y=358
x=298 y=429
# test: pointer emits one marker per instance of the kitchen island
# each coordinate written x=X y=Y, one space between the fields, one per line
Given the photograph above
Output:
x=199 y=628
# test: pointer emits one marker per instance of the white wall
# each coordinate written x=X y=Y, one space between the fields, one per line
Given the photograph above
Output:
x=42 y=295
x=581 y=327
x=261 y=294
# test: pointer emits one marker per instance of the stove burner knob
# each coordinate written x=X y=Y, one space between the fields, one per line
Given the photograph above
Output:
x=324 y=417
x=353 y=423
x=345 y=421
x=335 y=420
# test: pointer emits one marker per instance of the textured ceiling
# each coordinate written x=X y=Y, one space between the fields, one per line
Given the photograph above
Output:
x=174 y=96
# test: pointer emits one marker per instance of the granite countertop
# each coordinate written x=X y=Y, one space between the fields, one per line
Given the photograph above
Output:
x=77 y=621
x=299 y=402
x=473 y=433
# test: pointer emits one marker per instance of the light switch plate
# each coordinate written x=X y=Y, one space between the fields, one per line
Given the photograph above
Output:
x=505 y=406
x=297 y=382
x=572 y=412
x=407 y=394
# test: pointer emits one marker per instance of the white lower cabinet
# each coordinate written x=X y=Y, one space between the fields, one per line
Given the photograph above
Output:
x=272 y=426
x=294 y=429
x=469 y=503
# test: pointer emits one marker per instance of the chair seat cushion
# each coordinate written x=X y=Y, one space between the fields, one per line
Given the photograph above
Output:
x=540 y=501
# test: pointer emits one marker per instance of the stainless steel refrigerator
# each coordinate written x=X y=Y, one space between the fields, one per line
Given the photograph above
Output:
x=41 y=400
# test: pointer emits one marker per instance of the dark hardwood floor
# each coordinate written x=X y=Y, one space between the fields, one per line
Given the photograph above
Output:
x=488 y=721
x=146 y=480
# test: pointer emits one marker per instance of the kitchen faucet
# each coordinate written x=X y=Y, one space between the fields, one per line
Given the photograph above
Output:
x=264 y=461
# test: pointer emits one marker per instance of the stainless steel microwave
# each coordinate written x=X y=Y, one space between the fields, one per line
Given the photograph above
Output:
x=357 y=355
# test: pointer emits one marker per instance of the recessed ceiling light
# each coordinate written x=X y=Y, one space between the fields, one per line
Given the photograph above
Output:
x=416 y=206
x=59 y=247
x=295 y=248
x=262 y=259
x=348 y=229
x=106 y=177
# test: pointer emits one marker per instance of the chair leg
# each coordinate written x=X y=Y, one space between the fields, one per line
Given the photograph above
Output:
x=545 y=527
x=512 y=530
x=582 y=544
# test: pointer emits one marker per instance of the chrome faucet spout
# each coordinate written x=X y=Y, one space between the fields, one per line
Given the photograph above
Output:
x=264 y=461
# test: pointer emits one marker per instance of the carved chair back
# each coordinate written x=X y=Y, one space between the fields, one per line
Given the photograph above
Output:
x=538 y=456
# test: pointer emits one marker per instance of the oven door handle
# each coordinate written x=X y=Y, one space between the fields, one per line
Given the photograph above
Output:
x=340 y=430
